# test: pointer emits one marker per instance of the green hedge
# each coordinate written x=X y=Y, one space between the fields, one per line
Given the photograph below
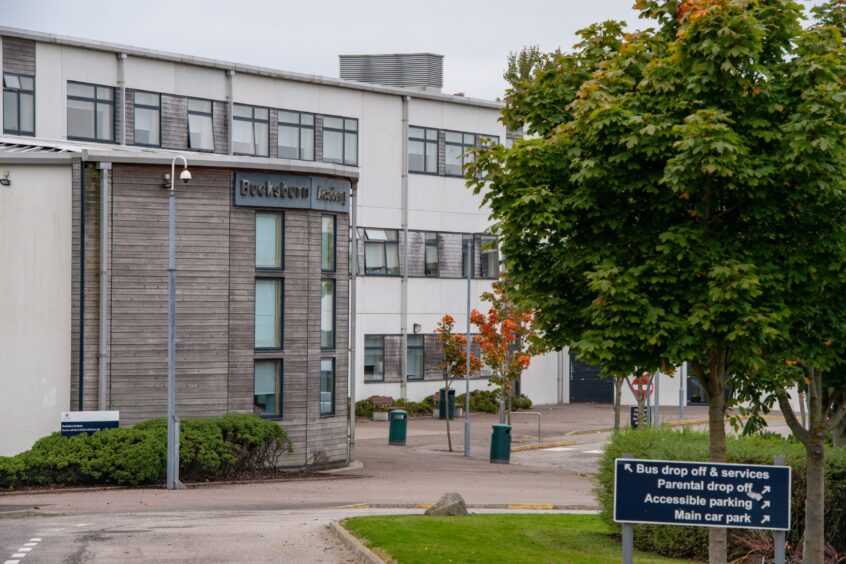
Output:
x=488 y=401
x=209 y=449
x=692 y=542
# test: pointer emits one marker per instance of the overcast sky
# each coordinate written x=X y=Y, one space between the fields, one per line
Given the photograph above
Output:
x=307 y=36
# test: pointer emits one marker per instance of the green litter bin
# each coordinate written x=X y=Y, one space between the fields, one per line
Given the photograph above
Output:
x=442 y=404
x=398 y=421
x=501 y=444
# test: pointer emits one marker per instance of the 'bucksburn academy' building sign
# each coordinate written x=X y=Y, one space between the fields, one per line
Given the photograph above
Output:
x=258 y=189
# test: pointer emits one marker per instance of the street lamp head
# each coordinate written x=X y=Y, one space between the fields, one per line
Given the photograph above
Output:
x=185 y=176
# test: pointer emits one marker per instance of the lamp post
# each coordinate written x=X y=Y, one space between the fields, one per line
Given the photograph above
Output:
x=172 y=422
x=468 y=269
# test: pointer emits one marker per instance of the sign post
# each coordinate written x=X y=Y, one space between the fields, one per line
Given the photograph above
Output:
x=703 y=494
x=633 y=416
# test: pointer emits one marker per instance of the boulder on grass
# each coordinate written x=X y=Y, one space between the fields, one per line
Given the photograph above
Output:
x=451 y=504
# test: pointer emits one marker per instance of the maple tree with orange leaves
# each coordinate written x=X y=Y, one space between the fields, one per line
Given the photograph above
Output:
x=507 y=341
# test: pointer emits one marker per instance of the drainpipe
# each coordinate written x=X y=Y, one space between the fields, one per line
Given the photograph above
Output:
x=404 y=285
x=230 y=97
x=122 y=93
x=105 y=170
x=81 y=390
x=353 y=371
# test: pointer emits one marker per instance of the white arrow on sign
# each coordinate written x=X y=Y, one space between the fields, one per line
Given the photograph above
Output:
x=628 y=467
x=765 y=505
x=766 y=490
x=766 y=519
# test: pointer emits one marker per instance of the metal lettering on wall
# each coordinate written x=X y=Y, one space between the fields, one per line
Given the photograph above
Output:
x=259 y=189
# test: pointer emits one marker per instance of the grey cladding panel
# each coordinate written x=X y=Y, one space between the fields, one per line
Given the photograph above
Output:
x=220 y=123
x=19 y=55
x=174 y=122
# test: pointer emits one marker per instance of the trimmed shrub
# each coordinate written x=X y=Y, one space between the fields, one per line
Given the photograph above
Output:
x=692 y=542
x=487 y=401
x=209 y=448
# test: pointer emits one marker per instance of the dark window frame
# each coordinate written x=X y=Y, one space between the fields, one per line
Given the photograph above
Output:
x=334 y=387
x=281 y=346
x=300 y=126
x=468 y=237
x=280 y=363
x=252 y=121
x=422 y=349
x=18 y=91
x=334 y=314
x=427 y=243
x=281 y=241
x=334 y=243
x=372 y=348
x=426 y=142
x=343 y=131
x=385 y=244
x=95 y=100
x=135 y=107
x=209 y=114
x=464 y=147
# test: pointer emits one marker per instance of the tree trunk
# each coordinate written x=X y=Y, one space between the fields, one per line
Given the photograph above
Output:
x=813 y=548
x=446 y=410
x=714 y=382
x=618 y=393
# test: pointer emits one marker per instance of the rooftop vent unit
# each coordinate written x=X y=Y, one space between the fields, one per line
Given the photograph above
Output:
x=424 y=71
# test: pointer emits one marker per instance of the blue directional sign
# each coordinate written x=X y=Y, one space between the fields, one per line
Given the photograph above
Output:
x=703 y=494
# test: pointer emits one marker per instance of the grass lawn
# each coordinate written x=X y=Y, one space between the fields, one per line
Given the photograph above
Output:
x=571 y=539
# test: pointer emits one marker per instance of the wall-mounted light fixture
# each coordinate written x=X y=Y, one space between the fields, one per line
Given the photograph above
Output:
x=417 y=328
x=5 y=180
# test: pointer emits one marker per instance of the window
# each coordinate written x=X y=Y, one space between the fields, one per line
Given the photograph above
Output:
x=414 y=364
x=200 y=129
x=455 y=152
x=374 y=358
x=381 y=252
x=269 y=240
x=423 y=150
x=431 y=254
x=250 y=126
x=327 y=314
x=18 y=104
x=340 y=140
x=268 y=313
x=327 y=386
x=296 y=136
x=509 y=140
x=91 y=111
x=467 y=248
x=489 y=257
x=148 y=119
x=327 y=243
x=267 y=388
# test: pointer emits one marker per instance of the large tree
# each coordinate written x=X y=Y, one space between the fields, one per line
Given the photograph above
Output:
x=654 y=218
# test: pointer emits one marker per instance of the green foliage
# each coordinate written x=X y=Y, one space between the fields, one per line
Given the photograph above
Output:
x=365 y=407
x=487 y=401
x=692 y=542
x=209 y=449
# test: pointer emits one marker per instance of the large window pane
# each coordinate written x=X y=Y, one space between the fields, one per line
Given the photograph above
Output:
x=416 y=156
x=374 y=358
x=242 y=137
x=489 y=258
x=307 y=144
x=289 y=138
x=146 y=126
x=268 y=240
x=374 y=258
x=261 y=139
x=327 y=243
x=327 y=386
x=27 y=112
x=81 y=119
x=327 y=314
x=200 y=132
x=333 y=146
x=392 y=259
x=350 y=148
x=268 y=314
x=415 y=357
x=432 y=158
x=10 y=111
x=452 y=159
x=267 y=388
x=105 y=122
